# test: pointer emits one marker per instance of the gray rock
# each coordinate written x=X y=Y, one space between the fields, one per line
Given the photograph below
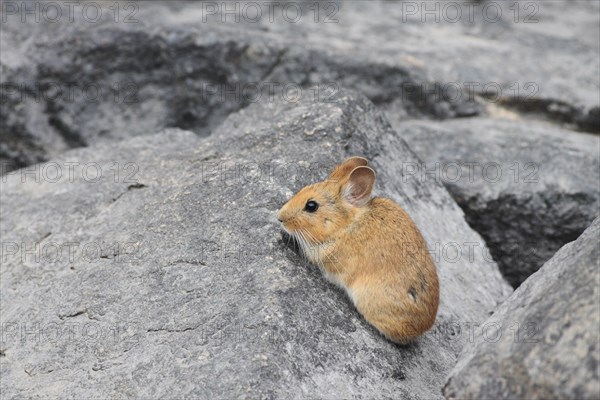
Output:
x=527 y=188
x=72 y=84
x=542 y=56
x=179 y=282
x=182 y=66
x=542 y=343
x=108 y=81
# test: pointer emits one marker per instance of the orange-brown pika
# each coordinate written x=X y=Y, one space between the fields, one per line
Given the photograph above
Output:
x=369 y=247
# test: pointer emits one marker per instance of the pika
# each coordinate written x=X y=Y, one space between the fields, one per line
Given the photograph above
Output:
x=369 y=247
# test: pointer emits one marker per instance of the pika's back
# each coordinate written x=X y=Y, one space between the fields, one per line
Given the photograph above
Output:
x=390 y=224
x=385 y=239
x=397 y=274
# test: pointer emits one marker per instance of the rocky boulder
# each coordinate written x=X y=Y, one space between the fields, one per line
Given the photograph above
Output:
x=73 y=81
x=542 y=343
x=86 y=83
x=157 y=268
x=527 y=188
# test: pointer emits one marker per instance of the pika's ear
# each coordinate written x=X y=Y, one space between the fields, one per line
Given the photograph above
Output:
x=343 y=169
x=357 y=191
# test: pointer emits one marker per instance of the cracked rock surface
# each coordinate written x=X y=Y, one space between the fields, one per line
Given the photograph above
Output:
x=179 y=284
x=543 y=341
x=72 y=83
x=527 y=188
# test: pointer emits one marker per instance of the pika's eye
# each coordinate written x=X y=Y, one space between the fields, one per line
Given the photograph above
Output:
x=311 y=206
